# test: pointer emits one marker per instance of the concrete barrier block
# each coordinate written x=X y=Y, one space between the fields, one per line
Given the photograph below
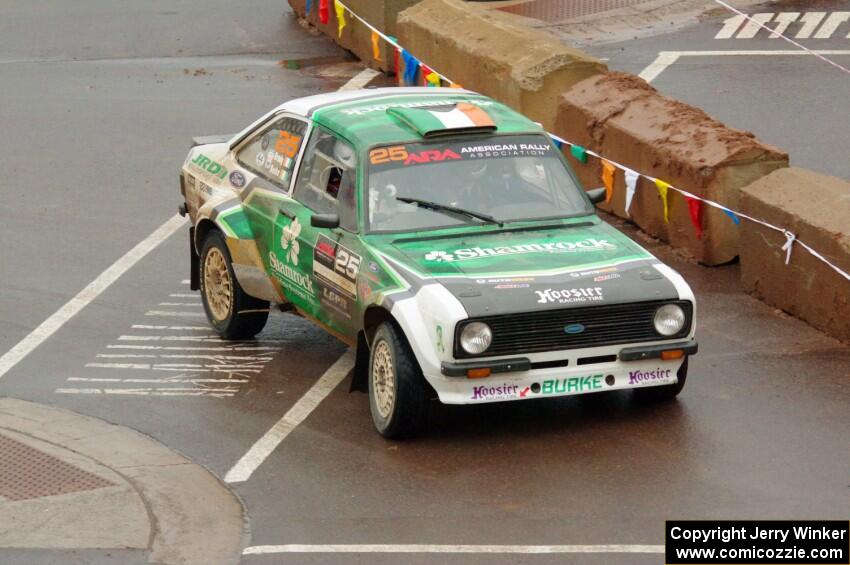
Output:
x=625 y=119
x=356 y=37
x=489 y=52
x=816 y=208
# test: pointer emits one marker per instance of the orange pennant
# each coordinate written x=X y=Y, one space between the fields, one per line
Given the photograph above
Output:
x=376 y=46
x=608 y=179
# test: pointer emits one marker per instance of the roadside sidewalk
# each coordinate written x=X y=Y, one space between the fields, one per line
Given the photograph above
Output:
x=592 y=22
x=75 y=489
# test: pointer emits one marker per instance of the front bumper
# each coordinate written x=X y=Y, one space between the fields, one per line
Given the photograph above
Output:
x=522 y=378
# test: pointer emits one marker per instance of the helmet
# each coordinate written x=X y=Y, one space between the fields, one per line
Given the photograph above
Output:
x=344 y=154
x=479 y=169
x=530 y=170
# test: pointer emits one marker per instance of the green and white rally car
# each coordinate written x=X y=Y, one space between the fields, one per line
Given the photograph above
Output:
x=445 y=237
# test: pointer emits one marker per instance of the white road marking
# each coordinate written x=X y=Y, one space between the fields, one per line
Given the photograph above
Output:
x=421 y=548
x=360 y=80
x=299 y=411
x=834 y=20
x=176 y=348
x=811 y=20
x=195 y=368
x=783 y=20
x=198 y=303
x=216 y=393
x=753 y=26
x=164 y=356
x=185 y=281
x=94 y=289
x=666 y=58
x=208 y=337
x=661 y=62
x=183 y=295
x=730 y=26
x=176 y=314
x=170 y=328
x=163 y=381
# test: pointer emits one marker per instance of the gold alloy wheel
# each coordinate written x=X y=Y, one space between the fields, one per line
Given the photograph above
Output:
x=383 y=379
x=218 y=288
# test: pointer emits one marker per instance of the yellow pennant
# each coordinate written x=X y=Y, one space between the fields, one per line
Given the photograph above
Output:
x=662 y=190
x=340 y=17
x=608 y=180
x=376 y=46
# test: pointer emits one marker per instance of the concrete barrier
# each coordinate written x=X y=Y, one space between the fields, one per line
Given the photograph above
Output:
x=816 y=208
x=622 y=117
x=356 y=37
x=489 y=52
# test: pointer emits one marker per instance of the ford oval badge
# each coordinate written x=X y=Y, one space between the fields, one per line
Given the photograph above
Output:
x=574 y=328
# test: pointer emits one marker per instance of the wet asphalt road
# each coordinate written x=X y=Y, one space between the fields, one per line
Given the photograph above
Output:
x=90 y=156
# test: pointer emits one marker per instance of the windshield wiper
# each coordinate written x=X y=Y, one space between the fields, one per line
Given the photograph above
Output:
x=454 y=210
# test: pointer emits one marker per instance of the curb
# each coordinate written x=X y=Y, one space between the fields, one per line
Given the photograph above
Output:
x=194 y=517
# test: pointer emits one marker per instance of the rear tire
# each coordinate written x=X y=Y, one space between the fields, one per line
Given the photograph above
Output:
x=398 y=395
x=231 y=312
x=664 y=393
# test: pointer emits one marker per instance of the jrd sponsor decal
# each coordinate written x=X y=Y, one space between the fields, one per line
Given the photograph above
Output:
x=590 y=244
x=206 y=164
x=569 y=295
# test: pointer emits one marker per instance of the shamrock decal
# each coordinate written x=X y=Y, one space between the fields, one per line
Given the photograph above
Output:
x=289 y=241
x=439 y=256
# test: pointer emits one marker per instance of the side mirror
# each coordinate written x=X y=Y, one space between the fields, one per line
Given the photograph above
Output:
x=324 y=220
x=596 y=195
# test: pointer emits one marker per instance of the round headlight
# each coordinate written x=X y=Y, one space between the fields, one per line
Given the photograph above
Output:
x=476 y=338
x=669 y=319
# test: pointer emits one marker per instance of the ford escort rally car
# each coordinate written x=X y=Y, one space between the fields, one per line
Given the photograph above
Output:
x=445 y=237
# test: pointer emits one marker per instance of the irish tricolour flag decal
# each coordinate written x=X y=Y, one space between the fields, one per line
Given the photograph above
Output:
x=451 y=117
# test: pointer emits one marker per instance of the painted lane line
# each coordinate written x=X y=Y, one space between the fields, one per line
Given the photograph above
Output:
x=421 y=548
x=183 y=295
x=783 y=20
x=754 y=24
x=834 y=20
x=176 y=356
x=146 y=392
x=665 y=59
x=811 y=20
x=360 y=80
x=170 y=328
x=94 y=289
x=661 y=62
x=185 y=281
x=180 y=304
x=258 y=453
x=160 y=381
x=177 y=367
x=208 y=337
x=176 y=348
x=165 y=313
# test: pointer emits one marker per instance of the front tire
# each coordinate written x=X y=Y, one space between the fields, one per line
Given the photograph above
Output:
x=231 y=312
x=398 y=396
x=664 y=393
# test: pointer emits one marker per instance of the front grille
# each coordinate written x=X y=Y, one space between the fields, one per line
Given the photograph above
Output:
x=535 y=332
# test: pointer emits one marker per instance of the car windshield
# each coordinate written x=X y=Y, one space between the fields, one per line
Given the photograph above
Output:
x=445 y=183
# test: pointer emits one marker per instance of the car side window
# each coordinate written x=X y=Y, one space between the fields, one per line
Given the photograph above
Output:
x=326 y=181
x=272 y=153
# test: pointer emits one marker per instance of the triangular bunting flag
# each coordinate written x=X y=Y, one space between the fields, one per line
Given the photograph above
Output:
x=340 y=17
x=631 y=185
x=324 y=13
x=579 y=152
x=662 y=190
x=376 y=46
x=429 y=77
x=734 y=217
x=695 y=208
x=608 y=179
x=558 y=143
x=411 y=67
x=307 y=6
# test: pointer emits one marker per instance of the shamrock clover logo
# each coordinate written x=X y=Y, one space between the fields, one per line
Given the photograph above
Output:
x=289 y=241
x=439 y=256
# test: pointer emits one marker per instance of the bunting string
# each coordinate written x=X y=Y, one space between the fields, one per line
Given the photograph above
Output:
x=431 y=77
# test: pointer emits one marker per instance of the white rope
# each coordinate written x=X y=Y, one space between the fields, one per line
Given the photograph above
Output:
x=790 y=237
x=788 y=39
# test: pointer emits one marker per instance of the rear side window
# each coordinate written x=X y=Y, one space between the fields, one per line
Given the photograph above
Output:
x=272 y=153
x=327 y=178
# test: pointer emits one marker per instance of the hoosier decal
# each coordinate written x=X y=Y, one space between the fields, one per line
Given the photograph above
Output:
x=569 y=295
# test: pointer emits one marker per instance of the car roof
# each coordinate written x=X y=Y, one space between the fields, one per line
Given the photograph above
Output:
x=361 y=115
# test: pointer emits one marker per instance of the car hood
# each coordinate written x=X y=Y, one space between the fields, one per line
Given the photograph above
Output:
x=493 y=271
